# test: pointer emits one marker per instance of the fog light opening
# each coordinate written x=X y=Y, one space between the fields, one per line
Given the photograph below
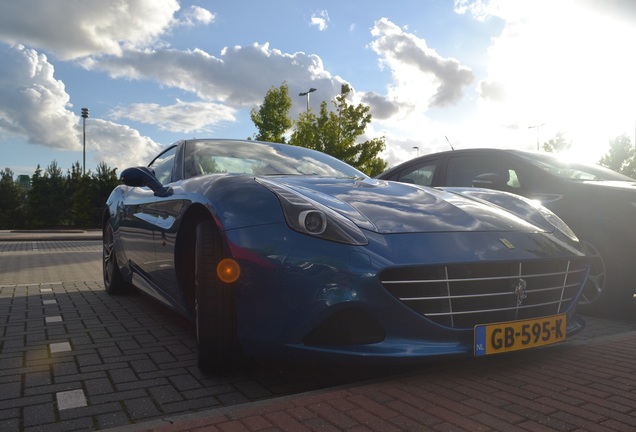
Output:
x=228 y=270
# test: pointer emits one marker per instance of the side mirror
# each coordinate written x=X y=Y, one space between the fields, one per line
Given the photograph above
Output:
x=490 y=181
x=144 y=176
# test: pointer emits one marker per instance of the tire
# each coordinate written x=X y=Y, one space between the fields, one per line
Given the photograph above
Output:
x=114 y=282
x=215 y=313
x=604 y=292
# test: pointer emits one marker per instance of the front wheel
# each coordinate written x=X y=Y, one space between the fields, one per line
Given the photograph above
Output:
x=114 y=282
x=604 y=292
x=215 y=313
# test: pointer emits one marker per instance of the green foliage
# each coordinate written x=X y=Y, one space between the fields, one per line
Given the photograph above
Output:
x=272 y=118
x=621 y=156
x=54 y=200
x=12 y=201
x=48 y=198
x=336 y=133
x=557 y=144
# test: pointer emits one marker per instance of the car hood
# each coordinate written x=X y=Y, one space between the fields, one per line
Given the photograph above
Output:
x=392 y=207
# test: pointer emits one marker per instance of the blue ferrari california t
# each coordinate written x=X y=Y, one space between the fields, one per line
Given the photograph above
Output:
x=278 y=250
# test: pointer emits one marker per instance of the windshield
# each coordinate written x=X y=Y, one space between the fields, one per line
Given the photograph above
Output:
x=262 y=159
x=574 y=170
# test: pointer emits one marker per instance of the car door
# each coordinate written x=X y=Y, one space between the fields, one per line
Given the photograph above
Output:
x=169 y=210
x=467 y=168
x=141 y=216
x=137 y=218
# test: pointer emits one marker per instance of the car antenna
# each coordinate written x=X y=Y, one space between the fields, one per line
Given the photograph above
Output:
x=451 y=146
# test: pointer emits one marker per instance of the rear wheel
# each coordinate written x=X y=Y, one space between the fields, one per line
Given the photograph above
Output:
x=215 y=314
x=114 y=282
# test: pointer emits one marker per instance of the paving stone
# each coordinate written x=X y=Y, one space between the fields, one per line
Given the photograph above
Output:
x=36 y=379
x=98 y=386
x=64 y=368
x=39 y=414
x=10 y=361
x=60 y=347
x=122 y=375
x=10 y=390
x=70 y=399
x=141 y=408
x=111 y=420
x=165 y=394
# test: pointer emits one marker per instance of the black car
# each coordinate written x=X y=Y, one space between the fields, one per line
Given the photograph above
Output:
x=597 y=203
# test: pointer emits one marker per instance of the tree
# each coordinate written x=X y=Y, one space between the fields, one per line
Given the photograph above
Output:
x=103 y=183
x=336 y=133
x=47 y=206
x=11 y=202
x=621 y=156
x=272 y=118
x=557 y=144
x=79 y=189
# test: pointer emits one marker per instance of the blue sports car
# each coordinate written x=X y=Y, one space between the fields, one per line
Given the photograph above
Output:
x=277 y=250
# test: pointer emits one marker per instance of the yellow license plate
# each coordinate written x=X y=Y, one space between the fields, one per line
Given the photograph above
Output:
x=516 y=335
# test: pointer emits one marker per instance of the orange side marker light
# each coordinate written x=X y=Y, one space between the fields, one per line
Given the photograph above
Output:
x=228 y=270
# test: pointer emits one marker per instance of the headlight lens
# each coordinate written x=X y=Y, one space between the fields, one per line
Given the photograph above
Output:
x=550 y=217
x=313 y=221
x=309 y=217
x=557 y=222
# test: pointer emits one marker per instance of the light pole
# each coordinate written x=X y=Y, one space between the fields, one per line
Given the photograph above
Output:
x=84 y=117
x=417 y=150
x=537 y=128
x=311 y=90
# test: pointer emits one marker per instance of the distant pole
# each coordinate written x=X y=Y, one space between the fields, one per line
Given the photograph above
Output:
x=311 y=90
x=84 y=117
x=537 y=128
x=417 y=151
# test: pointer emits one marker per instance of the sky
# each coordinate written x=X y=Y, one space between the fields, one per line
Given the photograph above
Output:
x=436 y=74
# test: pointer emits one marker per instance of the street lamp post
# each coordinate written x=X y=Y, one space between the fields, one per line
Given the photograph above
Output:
x=84 y=117
x=417 y=151
x=537 y=128
x=311 y=90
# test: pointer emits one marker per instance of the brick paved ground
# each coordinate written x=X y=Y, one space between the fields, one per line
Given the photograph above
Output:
x=74 y=358
x=587 y=386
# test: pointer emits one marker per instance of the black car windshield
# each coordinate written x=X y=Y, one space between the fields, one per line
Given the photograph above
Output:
x=262 y=159
x=574 y=170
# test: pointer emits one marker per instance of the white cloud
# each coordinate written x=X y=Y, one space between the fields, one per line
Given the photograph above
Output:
x=380 y=106
x=563 y=64
x=195 y=15
x=118 y=145
x=35 y=106
x=239 y=77
x=182 y=117
x=32 y=102
x=72 y=30
x=320 y=20
x=420 y=75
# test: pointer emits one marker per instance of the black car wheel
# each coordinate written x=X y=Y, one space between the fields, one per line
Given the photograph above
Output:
x=215 y=315
x=114 y=282
x=605 y=291
x=593 y=291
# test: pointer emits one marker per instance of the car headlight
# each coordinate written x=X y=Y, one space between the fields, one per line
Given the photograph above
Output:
x=556 y=222
x=310 y=217
x=550 y=217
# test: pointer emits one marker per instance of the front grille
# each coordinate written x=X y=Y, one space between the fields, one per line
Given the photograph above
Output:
x=464 y=295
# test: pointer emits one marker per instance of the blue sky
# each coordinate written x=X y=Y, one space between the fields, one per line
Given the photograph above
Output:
x=473 y=72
